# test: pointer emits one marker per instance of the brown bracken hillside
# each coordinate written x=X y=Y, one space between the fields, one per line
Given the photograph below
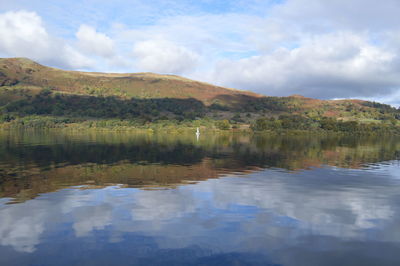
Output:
x=25 y=72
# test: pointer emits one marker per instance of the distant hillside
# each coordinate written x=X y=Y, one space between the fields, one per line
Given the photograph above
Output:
x=30 y=89
x=24 y=72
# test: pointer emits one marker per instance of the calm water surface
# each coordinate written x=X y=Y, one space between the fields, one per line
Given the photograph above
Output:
x=136 y=199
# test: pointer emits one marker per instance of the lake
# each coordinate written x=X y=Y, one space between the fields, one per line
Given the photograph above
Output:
x=226 y=199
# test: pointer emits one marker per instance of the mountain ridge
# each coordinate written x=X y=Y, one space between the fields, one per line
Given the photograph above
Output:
x=23 y=71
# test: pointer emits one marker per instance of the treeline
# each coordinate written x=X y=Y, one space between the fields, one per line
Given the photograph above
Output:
x=51 y=110
x=47 y=103
x=105 y=107
x=47 y=122
x=383 y=108
x=297 y=122
x=257 y=105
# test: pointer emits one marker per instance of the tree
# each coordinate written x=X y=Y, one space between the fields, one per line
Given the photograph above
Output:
x=223 y=124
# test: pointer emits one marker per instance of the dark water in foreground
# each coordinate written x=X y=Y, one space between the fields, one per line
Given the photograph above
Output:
x=131 y=199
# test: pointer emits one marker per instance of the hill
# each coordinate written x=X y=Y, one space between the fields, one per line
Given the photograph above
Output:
x=24 y=72
x=28 y=88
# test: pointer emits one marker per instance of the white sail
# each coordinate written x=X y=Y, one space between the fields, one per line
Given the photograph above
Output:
x=197 y=134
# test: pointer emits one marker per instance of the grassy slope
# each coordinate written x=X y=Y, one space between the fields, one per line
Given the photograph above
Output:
x=24 y=72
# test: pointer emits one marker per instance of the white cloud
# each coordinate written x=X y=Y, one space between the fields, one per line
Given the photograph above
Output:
x=93 y=42
x=323 y=66
x=321 y=49
x=74 y=59
x=164 y=56
x=24 y=35
x=90 y=218
x=157 y=206
x=20 y=228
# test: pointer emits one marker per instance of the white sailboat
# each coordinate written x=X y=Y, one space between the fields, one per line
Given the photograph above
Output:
x=197 y=133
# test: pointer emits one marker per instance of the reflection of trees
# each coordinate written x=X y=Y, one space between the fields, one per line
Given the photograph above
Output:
x=79 y=153
x=301 y=152
x=227 y=150
x=49 y=161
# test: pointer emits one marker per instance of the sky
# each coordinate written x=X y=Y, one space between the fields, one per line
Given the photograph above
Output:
x=317 y=48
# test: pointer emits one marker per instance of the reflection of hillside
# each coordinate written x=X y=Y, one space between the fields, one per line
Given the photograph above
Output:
x=153 y=176
x=303 y=152
x=46 y=149
x=38 y=162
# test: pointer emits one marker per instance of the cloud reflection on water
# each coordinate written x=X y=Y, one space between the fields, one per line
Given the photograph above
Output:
x=267 y=212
